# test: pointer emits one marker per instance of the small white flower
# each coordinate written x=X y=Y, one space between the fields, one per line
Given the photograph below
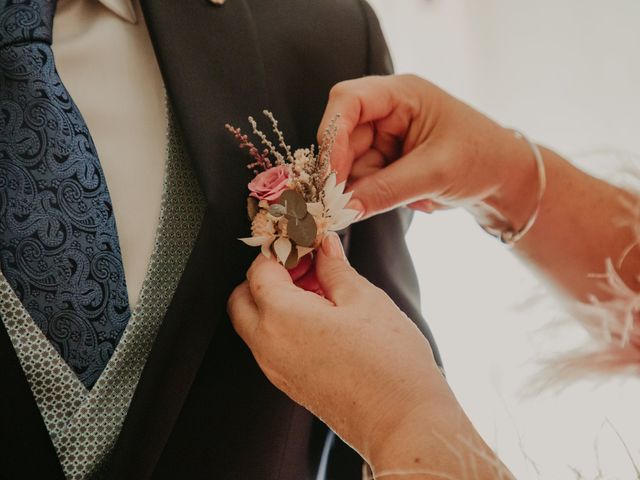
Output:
x=302 y=156
x=334 y=202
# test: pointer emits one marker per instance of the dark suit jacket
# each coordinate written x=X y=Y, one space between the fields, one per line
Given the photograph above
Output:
x=202 y=408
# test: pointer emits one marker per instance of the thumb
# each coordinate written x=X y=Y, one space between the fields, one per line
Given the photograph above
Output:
x=338 y=280
x=397 y=184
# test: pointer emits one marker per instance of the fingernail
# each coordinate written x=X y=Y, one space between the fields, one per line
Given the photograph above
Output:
x=355 y=204
x=425 y=206
x=332 y=246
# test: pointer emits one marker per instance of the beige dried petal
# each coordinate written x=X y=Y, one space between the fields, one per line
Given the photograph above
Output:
x=323 y=224
x=301 y=158
x=315 y=208
x=282 y=226
x=263 y=225
x=266 y=247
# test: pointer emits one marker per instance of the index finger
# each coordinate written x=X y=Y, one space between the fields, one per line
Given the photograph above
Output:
x=243 y=313
x=357 y=102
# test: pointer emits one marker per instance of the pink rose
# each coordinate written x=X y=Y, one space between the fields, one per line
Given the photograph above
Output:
x=270 y=184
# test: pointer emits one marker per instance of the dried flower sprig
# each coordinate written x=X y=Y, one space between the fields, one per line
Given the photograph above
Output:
x=295 y=200
x=278 y=132
x=261 y=158
x=326 y=147
x=279 y=158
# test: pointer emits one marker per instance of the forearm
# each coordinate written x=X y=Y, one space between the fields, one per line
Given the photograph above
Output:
x=435 y=441
x=581 y=224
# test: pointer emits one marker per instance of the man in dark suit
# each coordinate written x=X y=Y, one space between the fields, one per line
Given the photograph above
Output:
x=202 y=408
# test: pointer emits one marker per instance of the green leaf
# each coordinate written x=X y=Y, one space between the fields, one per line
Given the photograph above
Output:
x=295 y=204
x=277 y=210
x=303 y=232
x=252 y=207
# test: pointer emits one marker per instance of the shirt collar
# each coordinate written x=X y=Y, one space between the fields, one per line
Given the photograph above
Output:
x=122 y=8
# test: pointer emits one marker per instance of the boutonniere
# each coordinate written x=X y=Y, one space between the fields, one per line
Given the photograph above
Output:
x=294 y=200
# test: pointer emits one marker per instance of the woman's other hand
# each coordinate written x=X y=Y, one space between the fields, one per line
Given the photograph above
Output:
x=404 y=141
x=354 y=360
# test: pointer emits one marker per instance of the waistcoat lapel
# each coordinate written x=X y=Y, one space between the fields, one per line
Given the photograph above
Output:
x=214 y=74
x=26 y=450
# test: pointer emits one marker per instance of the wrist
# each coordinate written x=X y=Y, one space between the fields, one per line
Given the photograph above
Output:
x=402 y=440
x=435 y=440
x=510 y=205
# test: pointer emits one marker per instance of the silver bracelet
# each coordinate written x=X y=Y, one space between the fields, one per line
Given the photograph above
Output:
x=511 y=237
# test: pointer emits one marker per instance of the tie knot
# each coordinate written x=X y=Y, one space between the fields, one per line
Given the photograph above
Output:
x=26 y=21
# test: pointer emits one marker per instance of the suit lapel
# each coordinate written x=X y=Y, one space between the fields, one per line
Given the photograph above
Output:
x=23 y=435
x=214 y=74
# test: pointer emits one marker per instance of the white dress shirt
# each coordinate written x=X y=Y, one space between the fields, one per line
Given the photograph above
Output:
x=105 y=59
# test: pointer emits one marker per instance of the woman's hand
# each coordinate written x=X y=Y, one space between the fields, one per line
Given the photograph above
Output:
x=354 y=360
x=404 y=141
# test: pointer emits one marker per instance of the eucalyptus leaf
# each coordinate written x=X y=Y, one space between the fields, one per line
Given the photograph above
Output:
x=294 y=203
x=277 y=210
x=292 y=260
x=303 y=232
x=252 y=207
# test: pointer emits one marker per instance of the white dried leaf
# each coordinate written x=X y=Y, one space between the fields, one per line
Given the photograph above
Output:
x=266 y=247
x=282 y=247
x=255 y=241
x=302 y=251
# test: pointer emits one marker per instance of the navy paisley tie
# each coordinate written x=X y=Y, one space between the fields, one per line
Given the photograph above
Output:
x=59 y=246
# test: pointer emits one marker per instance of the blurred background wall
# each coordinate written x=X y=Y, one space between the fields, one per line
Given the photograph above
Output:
x=567 y=72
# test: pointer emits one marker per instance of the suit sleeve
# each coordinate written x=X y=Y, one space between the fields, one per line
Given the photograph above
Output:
x=377 y=247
